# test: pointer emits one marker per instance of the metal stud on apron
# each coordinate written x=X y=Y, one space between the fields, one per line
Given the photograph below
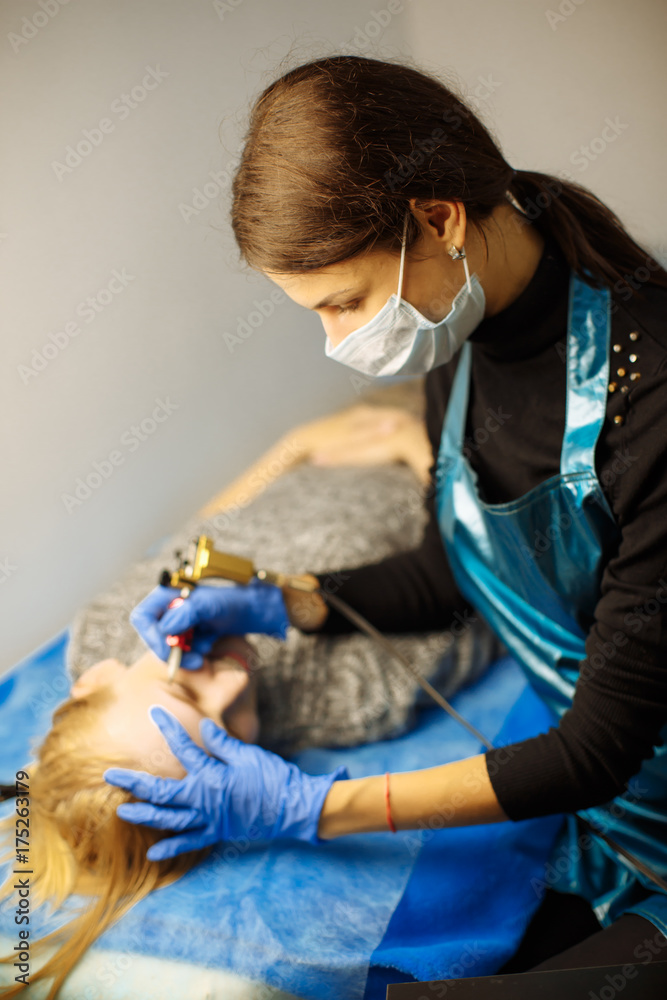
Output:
x=532 y=568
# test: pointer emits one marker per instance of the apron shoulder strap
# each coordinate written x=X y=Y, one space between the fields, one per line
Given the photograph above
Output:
x=587 y=379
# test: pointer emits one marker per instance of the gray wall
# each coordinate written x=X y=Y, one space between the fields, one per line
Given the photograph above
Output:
x=77 y=376
x=546 y=76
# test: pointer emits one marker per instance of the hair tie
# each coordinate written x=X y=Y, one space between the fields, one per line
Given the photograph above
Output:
x=7 y=792
x=390 y=821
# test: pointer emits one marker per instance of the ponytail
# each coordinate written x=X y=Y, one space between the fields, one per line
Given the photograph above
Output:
x=591 y=236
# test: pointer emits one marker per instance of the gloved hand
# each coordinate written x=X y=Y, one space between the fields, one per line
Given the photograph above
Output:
x=242 y=790
x=213 y=611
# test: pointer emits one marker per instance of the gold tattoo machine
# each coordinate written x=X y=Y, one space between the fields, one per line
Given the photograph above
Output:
x=204 y=562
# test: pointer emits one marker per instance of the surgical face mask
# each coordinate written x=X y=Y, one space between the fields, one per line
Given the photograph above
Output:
x=398 y=340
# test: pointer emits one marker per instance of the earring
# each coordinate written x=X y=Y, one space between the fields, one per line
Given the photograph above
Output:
x=456 y=254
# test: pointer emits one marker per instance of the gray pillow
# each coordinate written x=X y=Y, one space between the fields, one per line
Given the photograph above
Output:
x=312 y=690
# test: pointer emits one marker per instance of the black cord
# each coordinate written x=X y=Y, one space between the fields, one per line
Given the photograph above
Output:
x=363 y=624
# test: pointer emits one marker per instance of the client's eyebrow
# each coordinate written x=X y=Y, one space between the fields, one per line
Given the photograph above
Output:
x=173 y=690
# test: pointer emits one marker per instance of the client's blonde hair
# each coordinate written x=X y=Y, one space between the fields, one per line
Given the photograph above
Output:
x=74 y=831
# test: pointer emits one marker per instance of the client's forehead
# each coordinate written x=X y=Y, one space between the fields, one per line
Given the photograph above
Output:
x=126 y=726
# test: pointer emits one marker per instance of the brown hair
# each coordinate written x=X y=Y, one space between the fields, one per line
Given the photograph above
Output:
x=74 y=831
x=336 y=147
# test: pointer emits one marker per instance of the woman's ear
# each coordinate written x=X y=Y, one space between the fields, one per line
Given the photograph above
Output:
x=96 y=677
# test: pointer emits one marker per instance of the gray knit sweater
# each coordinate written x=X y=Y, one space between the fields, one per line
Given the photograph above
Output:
x=313 y=690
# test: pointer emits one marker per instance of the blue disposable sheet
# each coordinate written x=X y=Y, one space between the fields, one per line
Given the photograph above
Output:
x=347 y=917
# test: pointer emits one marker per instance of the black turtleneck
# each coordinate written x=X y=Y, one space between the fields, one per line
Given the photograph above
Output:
x=518 y=380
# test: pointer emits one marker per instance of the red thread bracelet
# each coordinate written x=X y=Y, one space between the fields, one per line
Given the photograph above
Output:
x=237 y=656
x=390 y=822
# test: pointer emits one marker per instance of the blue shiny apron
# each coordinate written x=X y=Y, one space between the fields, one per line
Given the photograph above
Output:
x=532 y=568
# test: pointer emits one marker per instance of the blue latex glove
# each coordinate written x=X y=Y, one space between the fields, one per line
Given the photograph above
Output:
x=240 y=791
x=213 y=611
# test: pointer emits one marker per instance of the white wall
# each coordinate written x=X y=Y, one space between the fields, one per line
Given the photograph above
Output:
x=64 y=233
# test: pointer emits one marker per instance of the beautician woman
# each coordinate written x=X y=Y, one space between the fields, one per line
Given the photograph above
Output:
x=373 y=196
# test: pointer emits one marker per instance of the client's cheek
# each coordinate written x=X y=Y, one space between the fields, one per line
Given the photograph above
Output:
x=218 y=690
x=223 y=690
x=211 y=705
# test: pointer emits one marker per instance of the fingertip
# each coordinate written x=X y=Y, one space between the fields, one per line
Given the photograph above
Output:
x=210 y=730
x=205 y=725
x=112 y=776
x=159 y=714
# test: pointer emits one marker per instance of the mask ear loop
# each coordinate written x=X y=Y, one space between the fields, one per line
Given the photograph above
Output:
x=467 y=271
x=400 y=272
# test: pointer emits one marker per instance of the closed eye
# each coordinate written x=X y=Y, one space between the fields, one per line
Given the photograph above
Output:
x=350 y=307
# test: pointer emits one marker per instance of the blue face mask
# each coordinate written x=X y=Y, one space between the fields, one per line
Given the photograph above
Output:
x=398 y=340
